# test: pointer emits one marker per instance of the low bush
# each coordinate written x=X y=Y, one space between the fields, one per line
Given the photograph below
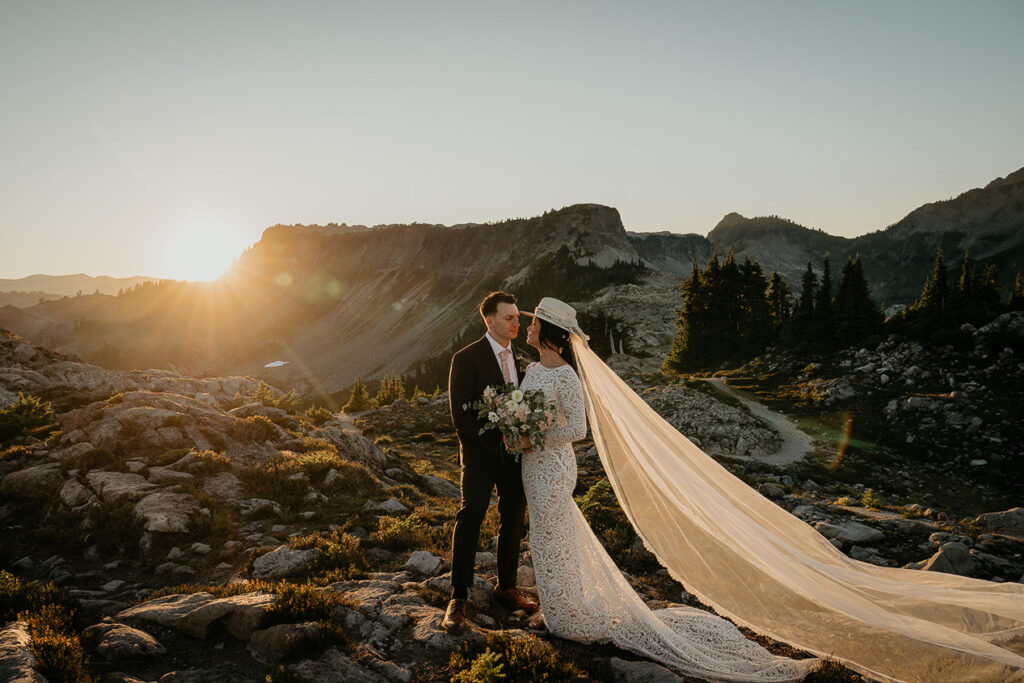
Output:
x=25 y=415
x=337 y=552
x=14 y=453
x=870 y=499
x=318 y=415
x=302 y=602
x=96 y=459
x=18 y=596
x=208 y=462
x=356 y=480
x=318 y=463
x=57 y=649
x=400 y=533
x=114 y=526
x=265 y=395
x=168 y=457
x=253 y=428
x=521 y=658
x=272 y=480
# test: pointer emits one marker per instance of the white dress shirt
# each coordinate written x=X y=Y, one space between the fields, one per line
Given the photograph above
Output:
x=498 y=348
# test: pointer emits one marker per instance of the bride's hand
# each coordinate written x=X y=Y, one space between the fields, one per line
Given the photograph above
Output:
x=526 y=444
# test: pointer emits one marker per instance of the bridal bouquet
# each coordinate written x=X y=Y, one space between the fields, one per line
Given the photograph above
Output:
x=516 y=414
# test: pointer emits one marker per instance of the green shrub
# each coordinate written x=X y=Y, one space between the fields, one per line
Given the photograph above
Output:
x=115 y=527
x=253 y=428
x=485 y=668
x=400 y=533
x=272 y=480
x=337 y=552
x=846 y=500
x=318 y=415
x=26 y=414
x=14 y=452
x=18 y=596
x=57 y=649
x=168 y=457
x=301 y=602
x=208 y=462
x=265 y=395
x=870 y=499
x=359 y=400
x=114 y=400
x=318 y=463
x=356 y=481
x=96 y=459
x=527 y=659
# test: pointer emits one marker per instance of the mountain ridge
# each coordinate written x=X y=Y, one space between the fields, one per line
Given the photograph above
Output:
x=341 y=301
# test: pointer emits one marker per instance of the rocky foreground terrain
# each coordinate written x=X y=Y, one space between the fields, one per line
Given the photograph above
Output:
x=158 y=528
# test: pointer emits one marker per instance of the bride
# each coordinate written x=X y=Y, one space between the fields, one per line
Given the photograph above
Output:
x=736 y=551
x=583 y=595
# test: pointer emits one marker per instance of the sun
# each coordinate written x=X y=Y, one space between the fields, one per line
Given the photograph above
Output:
x=201 y=250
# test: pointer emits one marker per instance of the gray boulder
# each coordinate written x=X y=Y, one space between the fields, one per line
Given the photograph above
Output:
x=165 y=611
x=167 y=512
x=32 y=482
x=118 y=641
x=1011 y=520
x=17 y=663
x=239 y=615
x=270 y=645
x=952 y=558
x=281 y=562
x=424 y=562
x=113 y=485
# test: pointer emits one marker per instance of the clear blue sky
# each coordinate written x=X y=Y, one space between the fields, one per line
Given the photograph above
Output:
x=134 y=132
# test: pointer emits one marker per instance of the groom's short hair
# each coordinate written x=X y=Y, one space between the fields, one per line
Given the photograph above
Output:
x=489 y=306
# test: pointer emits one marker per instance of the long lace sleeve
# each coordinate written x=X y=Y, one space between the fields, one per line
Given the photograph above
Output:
x=569 y=393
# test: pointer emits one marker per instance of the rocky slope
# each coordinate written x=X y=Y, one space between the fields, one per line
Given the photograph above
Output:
x=204 y=530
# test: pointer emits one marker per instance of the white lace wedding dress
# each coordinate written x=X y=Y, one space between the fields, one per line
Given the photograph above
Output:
x=584 y=596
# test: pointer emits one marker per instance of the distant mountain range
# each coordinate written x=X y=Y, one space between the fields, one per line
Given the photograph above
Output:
x=338 y=301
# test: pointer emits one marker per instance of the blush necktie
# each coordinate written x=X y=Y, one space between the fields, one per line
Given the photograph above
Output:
x=506 y=370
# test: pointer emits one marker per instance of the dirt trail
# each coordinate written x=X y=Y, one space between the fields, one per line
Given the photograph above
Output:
x=795 y=443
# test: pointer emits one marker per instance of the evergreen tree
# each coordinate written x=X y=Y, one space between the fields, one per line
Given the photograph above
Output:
x=391 y=389
x=1015 y=302
x=359 y=400
x=778 y=299
x=822 y=322
x=685 y=353
x=855 y=315
x=935 y=297
x=755 y=323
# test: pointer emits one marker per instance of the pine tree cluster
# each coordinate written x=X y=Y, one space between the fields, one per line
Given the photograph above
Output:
x=731 y=313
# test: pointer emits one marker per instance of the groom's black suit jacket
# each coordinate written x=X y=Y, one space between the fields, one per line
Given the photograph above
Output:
x=473 y=369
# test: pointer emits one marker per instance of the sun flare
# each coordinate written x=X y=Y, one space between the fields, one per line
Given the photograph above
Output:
x=201 y=250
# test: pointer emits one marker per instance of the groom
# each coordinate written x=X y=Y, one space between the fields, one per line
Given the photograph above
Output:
x=485 y=462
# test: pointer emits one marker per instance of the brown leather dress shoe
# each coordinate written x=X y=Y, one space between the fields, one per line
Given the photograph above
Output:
x=454 y=621
x=513 y=599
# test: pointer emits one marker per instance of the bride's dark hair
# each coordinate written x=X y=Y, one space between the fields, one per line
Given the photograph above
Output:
x=557 y=339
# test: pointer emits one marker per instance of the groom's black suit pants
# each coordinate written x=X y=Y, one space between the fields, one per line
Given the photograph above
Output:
x=479 y=477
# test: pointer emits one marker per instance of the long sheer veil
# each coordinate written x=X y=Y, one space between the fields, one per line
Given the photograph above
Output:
x=763 y=568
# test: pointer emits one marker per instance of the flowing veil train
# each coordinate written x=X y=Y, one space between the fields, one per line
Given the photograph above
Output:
x=765 y=569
